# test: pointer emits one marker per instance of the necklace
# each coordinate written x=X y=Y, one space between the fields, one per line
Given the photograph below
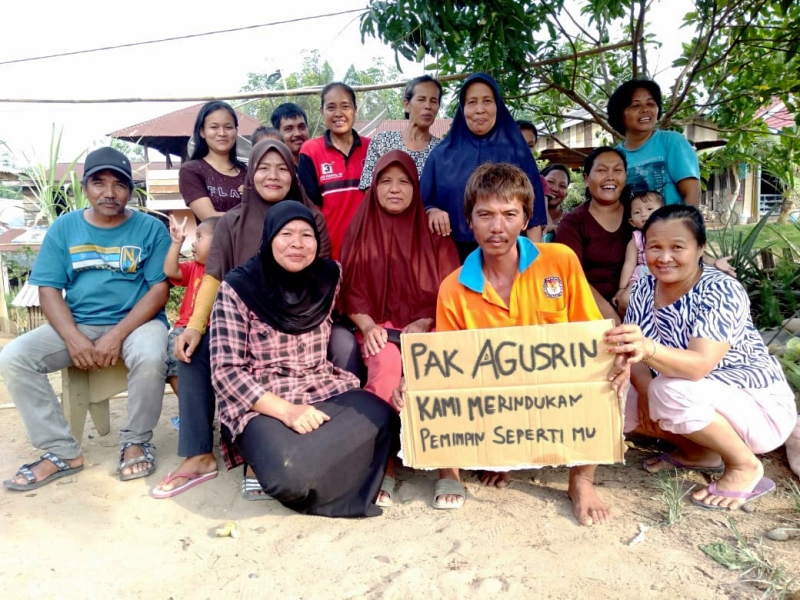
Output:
x=686 y=287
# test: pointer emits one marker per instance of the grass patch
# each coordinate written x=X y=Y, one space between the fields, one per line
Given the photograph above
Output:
x=773 y=235
x=794 y=494
x=671 y=496
x=751 y=559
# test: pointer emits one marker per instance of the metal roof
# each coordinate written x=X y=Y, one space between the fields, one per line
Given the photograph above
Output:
x=179 y=123
x=776 y=115
x=439 y=127
x=170 y=133
x=27 y=297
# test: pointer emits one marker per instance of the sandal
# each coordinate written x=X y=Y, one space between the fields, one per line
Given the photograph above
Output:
x=64 y=470
x=763 y=487
x=679 y=466
x=387 y=487
x=147 y=457
x=192 y=479
x=448 y=487
x=251 y=488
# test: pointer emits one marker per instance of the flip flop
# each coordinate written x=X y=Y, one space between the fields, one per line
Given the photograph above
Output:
x=763 y=487
x=147 y=457
x=679 y=466
x=448 y=487
x=252 y=490
x=387 y=486
x=194 y=479
x=64 y=470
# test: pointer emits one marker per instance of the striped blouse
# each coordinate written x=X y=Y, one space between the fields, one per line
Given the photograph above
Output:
x=249 y=358
x=716 y=308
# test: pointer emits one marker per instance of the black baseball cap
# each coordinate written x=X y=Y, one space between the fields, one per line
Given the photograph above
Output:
x=108 y=158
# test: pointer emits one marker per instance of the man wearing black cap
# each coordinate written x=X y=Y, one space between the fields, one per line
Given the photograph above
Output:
x=102 y=288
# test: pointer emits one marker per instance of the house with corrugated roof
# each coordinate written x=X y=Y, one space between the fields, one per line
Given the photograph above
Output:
x=750 y=192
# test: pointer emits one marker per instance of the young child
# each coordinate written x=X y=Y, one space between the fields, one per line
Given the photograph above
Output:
x=642 y=205
x=186 y=274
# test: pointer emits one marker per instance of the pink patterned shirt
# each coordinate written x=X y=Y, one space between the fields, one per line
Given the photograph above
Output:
x=249 y=358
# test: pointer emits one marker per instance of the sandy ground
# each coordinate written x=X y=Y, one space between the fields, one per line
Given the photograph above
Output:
x=92 y=536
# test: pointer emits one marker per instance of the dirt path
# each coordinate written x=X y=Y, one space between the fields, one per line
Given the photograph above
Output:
x=93 y=536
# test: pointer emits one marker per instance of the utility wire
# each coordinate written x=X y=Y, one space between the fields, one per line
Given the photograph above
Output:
x=307 y=91
x=180 y=37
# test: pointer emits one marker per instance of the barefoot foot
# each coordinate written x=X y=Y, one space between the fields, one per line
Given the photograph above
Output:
x=496 y=479
x=586 y=504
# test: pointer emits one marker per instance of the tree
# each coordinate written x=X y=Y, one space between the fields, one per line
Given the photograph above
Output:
x=8 y=190
x=741 y=55
x=318 y=73
x=134 y=152
x=52 y=195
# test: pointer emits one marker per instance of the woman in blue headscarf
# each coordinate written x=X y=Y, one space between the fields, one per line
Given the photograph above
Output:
x=483 y=131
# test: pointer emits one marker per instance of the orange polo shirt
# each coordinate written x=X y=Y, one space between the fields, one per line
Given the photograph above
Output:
x=549 y=288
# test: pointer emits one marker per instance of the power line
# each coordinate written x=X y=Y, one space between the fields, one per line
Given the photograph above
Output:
x=307 y=91
x=180 y=37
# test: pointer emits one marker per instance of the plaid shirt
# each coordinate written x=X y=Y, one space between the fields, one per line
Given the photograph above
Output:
x=249 y=358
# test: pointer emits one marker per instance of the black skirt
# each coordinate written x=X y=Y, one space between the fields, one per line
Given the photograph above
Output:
x=333 y=471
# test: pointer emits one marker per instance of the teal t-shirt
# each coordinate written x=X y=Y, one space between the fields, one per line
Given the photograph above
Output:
x=104 y=271
x=664 y=160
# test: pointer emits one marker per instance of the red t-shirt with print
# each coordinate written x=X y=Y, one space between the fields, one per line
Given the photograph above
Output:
x=191 y=275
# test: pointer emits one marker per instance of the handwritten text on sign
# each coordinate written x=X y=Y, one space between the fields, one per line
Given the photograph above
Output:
x=510 y=398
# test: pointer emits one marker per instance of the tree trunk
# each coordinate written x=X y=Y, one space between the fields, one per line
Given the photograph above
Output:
x=787 y=205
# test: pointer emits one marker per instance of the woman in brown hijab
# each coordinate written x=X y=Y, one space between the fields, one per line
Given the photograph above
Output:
x=393 y=266
x=271 y=178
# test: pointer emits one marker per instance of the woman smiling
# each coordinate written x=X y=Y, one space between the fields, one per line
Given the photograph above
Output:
x=393 y=265
x=712 y=388
x=662 y=161
x=597 y=230
x=421 y=102
x=483 y=131
x=330 y=166
x=316 y=442
x=211 y=181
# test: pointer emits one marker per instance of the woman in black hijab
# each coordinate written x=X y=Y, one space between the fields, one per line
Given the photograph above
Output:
x=316 y=442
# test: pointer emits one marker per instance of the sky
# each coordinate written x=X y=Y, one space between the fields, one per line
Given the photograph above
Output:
x=212 y=65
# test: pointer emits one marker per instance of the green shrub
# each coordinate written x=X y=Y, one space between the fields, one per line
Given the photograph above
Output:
x=774 y=293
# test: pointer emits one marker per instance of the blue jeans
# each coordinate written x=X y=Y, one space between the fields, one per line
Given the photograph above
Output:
x=26 y=361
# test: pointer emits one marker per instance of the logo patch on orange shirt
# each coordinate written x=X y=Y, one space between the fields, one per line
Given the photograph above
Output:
x=553 y=287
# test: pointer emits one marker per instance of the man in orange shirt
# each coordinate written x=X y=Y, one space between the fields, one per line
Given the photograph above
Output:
x=510 y=281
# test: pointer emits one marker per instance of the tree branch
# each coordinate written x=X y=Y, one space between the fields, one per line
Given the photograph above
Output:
x=589 y=36
x=637 y=38
x=569 y=40
x=598 y=118
x=635 y=44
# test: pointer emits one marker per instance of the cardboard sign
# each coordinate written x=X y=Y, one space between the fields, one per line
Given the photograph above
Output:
x=510 y=398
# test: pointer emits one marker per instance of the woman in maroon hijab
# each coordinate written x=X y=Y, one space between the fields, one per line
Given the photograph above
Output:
x=393 y=266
